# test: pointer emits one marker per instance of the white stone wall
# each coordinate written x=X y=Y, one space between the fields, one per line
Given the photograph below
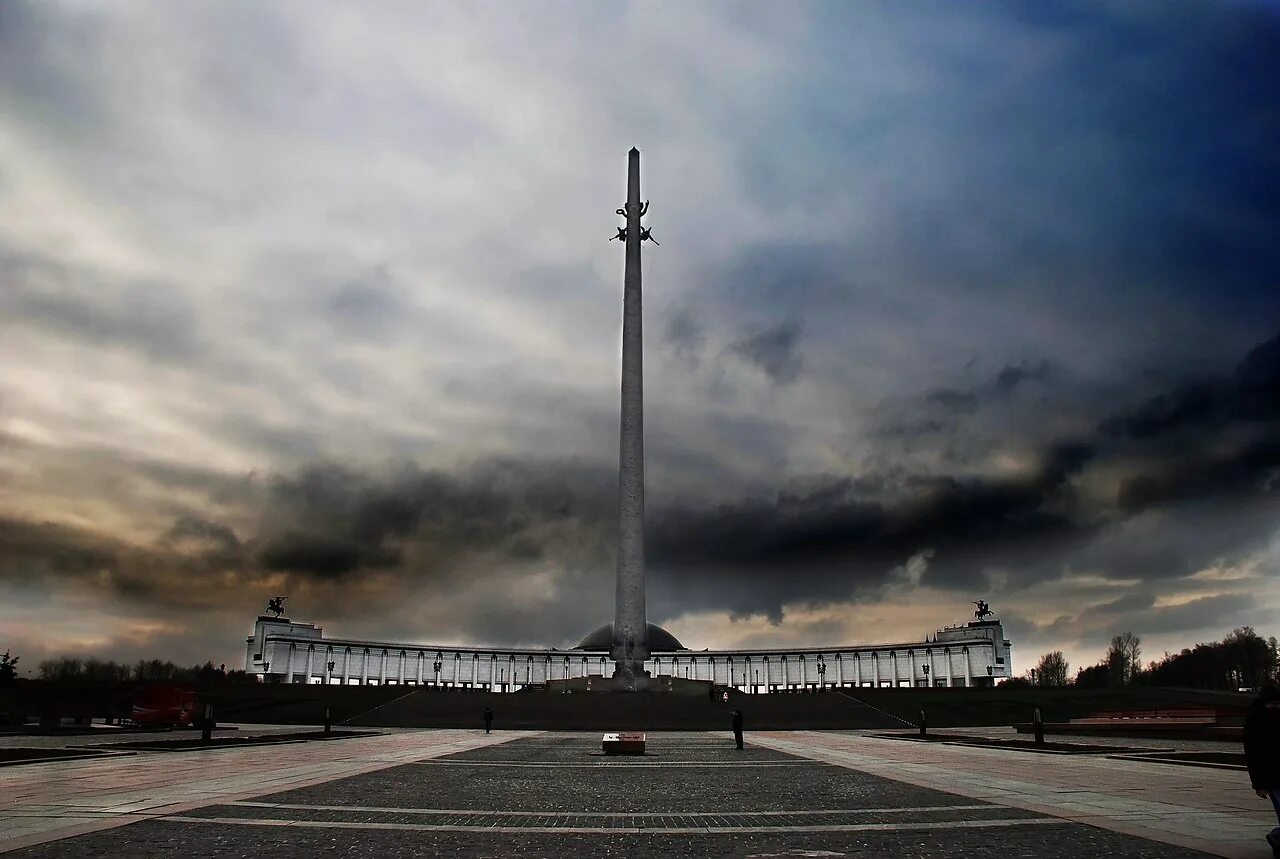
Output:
x=298 y=653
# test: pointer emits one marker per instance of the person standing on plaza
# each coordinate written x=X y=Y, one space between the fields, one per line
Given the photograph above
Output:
x=488 y=719
x=737 y=728
x=1262 y=753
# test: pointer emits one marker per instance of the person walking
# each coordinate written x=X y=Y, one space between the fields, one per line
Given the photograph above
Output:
x=737 y=728
x=1262 y=753
x=488 y=719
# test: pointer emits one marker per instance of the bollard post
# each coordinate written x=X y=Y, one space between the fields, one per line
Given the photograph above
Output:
x=924 y=728
x=328 y=723
x=206 y=733
x=1039 y=727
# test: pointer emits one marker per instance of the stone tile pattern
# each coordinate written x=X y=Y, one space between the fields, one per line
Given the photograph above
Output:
x=1204 y=809
x=39 y=802
x=551 y=795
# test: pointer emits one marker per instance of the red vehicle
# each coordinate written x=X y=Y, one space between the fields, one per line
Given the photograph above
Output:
x=158 y=706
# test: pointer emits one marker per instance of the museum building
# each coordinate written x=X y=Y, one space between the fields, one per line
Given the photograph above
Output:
x=284 y=651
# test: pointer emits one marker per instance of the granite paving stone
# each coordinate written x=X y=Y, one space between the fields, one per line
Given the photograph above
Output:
x=549 y=795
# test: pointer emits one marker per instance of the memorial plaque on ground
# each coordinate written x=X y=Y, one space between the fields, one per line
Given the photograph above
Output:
x=623 y=744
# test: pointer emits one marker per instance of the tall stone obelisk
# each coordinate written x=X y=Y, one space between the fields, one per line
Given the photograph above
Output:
x=630 y=625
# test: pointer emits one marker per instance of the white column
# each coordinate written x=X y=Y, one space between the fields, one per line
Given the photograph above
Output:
x=421 y=662
x=288 y=665
x=968 y=668
x=346 y=666
x=475 y=669
x=786 y=674
x=311 y=652
x=364 y=668
x=875 y=668
x=840 y=670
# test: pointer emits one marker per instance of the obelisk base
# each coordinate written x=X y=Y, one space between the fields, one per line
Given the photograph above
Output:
x=626 y=681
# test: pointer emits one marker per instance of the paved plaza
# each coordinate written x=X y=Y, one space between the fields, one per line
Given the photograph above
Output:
x=462 y=793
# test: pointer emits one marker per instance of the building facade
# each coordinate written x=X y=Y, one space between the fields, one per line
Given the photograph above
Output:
x=975 y=654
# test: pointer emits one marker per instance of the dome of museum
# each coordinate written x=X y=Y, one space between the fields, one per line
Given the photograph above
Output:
x=660 y=640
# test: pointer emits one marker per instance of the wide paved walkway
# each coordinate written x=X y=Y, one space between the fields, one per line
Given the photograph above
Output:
x=43 y=802
x=459 y=793
x=1212 y=810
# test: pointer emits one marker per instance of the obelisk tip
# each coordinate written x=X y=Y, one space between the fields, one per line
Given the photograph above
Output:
x=634 y=151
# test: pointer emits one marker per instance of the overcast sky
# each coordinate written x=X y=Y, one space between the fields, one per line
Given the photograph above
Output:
x=952 y=302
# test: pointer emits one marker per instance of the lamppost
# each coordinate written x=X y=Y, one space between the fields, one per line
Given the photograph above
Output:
x=1033 y=677
x=991 y=675
x=822 y=673
x=266 y=671
x=925 y=669
x=436 y=666
x=329 y=679
x=756 y=688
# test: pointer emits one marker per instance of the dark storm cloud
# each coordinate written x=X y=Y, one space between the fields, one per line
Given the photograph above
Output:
x=1009 y=379
x=1250 y=470
x=1216 y=436
x=1013 y=375
x=216 y=543
x=323 y=557
x=171 y=572
x=1250 y=394
x=952 y=400
x=30 y=548
x=829 y=543
x=833 y=539
x=774 y=350
x=335 y=521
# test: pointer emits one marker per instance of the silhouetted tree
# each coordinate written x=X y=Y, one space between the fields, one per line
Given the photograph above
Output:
x=1124 y=658
x=8 y=668
x=104 y=671
x=1052 y=669
x=63 y=668
x=1093 y=677
x=1241 y=660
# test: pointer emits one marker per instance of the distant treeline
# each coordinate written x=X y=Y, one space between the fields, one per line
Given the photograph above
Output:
x=1242 y=660
x=144 y=670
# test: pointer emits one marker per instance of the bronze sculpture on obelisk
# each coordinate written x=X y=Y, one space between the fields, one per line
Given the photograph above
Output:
x=630 y=645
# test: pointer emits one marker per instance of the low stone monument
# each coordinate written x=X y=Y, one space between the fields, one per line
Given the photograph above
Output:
x=623 y=744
